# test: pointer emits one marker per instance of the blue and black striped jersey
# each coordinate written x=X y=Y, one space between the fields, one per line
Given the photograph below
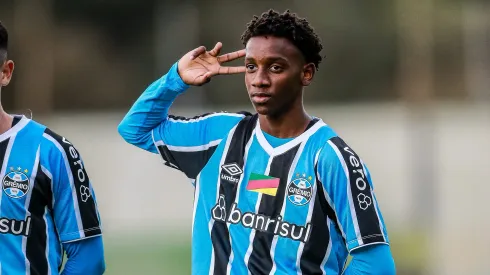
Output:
x=46 y=199
x=297 y=208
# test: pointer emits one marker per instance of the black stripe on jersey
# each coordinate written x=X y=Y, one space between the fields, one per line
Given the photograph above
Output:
x=182 y=118
x=316 y=247
x=41 y=196
x=3 y=151
x=16 y=120
x=260 y=261
x=228 y=190
x=362 y=199
x=326 y=208
x=191 y=163
x=311 y=123
x=86 y=202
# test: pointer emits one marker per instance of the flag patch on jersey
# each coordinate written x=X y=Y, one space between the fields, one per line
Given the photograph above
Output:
x=263 y=184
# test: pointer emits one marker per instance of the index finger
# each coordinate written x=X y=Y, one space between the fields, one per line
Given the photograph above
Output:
x=231 y=70
x=231 y=56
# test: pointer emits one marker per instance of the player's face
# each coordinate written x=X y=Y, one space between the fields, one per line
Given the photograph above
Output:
x=275 y=75
x=6 y=72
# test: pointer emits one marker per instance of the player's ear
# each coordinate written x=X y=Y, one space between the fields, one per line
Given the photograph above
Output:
x=308 y=74
x=7 y=70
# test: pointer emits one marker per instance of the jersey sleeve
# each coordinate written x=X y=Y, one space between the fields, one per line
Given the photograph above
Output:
x=375 y=259
x=184 y=143
x=349 y=192
x=85 y=257
x=75 y=209
x=187 y=143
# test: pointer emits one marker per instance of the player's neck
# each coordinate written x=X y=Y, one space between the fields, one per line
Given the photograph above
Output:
x=289 y=125
x=5 y=121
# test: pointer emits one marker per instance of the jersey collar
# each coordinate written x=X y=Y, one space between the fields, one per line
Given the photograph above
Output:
x=288 y=145
x=14 y=130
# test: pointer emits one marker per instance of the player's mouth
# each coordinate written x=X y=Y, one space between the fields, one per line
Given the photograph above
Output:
x=260 y=98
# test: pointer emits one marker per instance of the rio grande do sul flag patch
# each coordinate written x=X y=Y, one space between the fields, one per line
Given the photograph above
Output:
x=263 y=184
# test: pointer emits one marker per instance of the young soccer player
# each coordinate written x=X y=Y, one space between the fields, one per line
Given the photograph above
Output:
x=47 y=203
x=277 y=192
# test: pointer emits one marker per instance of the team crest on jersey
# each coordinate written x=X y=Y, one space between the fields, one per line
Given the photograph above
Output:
x=299 y=190
x=16 y=183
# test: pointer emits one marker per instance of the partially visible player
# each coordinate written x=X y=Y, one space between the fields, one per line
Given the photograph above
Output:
x=277 y=192
x=47 y=203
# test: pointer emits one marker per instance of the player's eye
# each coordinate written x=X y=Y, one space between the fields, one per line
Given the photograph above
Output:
x=276 y=68
x=250 y=67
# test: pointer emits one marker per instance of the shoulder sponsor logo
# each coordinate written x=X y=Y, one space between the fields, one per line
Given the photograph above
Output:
x=16 y=183
x=359 y=177
x=77 y=162
x=84 y=193
x=231 y=172
x=79 y=174
x=364 y=201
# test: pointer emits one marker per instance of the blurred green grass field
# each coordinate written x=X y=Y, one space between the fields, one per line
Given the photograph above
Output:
x=148 y=256
x=172 y=254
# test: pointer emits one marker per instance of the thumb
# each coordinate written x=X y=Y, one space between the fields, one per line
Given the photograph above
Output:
x=207 y=77
x=203 y=79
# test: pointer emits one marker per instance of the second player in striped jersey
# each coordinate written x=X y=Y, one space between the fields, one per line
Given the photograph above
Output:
x=47 y=202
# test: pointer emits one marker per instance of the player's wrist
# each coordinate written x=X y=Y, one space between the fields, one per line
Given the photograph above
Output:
x=173 y=76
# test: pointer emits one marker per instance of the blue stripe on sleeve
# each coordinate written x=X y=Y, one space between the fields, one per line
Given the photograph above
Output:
x=85 y=257
x=151 y=110
x=372 y=259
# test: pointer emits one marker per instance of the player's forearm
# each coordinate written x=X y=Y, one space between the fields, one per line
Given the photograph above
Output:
x=151 y=109
x=372 y=259
x=85 y=257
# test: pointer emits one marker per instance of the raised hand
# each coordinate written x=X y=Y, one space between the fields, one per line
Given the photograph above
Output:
x=198 y=66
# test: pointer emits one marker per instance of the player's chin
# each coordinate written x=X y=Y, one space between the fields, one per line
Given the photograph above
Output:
x=262 y=109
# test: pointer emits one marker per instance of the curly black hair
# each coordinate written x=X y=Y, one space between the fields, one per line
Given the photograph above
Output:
x=287 y=25
x=4 y=40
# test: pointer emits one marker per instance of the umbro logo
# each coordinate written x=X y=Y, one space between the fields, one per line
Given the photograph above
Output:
x=232 y=169
x=231 y=172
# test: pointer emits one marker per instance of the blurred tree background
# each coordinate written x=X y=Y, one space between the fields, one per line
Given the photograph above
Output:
x=109 y=48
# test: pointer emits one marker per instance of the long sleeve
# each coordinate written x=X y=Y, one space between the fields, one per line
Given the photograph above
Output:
x=184 y=143
x=151 y=110
x=373 y=259
x=75 y=210
x=350 y=193
x=85 y=257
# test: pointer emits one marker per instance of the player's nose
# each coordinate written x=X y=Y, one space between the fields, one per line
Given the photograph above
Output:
x=261 y=79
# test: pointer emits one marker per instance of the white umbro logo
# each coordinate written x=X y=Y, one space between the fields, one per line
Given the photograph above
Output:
x=232 y=169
